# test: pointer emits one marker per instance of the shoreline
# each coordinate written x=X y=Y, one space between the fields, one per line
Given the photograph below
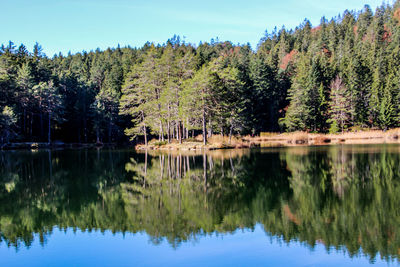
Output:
x=217 y=142
x=294 y=139
x=56 y=145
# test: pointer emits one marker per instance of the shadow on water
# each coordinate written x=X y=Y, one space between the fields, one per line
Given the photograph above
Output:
x=345 y=197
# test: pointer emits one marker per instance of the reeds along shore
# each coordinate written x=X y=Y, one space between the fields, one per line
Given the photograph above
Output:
x=279 y=140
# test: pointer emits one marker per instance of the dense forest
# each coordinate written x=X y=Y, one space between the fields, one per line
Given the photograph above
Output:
x=342 y=75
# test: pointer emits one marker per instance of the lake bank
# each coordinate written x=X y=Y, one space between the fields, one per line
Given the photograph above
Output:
x=55 y=145
x=218 y=142
x=279 y=140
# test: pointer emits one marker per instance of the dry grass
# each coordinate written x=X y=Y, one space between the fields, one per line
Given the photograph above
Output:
x=304 y=138
x=266 y=134
x=278 y=140
x=321 y=140
x=393 y=134
x=214 y=142
x=358 y=135
x=298 y=138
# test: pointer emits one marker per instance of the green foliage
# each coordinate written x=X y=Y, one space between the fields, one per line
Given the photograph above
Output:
x=334 y=128
x=172 y=89
x=159 y=143
x=8 y=121
x=340 y=107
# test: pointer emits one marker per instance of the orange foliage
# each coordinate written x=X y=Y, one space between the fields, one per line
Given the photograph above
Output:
x=284 y=109
x=387 y=35
x=355 y=29
x=231 y=52
x=287 y=59
x=315 y=29
x=292 y=217
x=396 y=15
x=326 y=51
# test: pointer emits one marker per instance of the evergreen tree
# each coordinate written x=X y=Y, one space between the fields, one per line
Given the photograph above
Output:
x=50 y=103
x=340 y=106
x=8 y=121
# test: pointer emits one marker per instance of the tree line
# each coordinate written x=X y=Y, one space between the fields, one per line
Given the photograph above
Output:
x=341 y=75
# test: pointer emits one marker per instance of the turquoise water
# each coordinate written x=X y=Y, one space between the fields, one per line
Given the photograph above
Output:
x=324 y=206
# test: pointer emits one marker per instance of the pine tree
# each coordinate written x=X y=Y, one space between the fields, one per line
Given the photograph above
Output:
x=196 y=98
x=50 y=102
x=340 y=108
x=25 y=82
x=8 y=120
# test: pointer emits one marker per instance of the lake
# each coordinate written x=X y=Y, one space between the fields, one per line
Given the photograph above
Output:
x=300 y=206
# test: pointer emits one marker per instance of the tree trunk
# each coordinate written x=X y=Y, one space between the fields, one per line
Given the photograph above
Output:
x=109 y=131
x=145 y=134
x=24 y=121
x=161 y=131
x=204 y=127
x=169 y=132
x=230 y=134
x=49 y=130
x=50 y=165
x=84 y=129
x=31 y=128
x=177 y=130
x=187 y=128
x=41 y=125
x=97 y=135
x=180 y=132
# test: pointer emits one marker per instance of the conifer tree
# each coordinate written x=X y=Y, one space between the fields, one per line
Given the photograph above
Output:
x=340 y=106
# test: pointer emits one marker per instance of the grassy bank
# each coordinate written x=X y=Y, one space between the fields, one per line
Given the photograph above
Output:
x=304 y=138
x=214 y=142
x=279 y=140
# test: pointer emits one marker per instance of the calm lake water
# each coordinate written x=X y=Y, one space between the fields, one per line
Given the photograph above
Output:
x=317 y=206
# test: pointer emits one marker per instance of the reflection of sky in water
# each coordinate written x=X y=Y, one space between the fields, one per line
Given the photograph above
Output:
x=243 y=248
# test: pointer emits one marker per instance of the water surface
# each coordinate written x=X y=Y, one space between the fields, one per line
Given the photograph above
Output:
x=305 y=206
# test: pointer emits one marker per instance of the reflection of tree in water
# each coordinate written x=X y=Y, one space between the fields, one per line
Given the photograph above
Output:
x=352 y=204
x=339 y=196
x=180 y=197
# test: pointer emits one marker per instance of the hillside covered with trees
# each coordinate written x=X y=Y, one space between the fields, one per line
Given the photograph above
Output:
x=340 y=75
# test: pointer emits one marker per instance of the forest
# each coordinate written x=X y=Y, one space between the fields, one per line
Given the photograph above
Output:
x=341 y=75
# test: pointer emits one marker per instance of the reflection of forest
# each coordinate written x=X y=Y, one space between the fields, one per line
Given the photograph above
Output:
x=344 y=197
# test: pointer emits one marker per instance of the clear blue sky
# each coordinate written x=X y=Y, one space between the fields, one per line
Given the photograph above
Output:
x=76 y=25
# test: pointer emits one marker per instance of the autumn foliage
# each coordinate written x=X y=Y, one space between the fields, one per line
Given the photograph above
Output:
x=287 y=59
x=396 y=15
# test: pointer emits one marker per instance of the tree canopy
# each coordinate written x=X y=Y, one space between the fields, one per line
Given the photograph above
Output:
x=340 y=75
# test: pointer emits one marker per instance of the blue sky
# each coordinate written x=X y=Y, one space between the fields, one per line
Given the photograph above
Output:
x=76 y=25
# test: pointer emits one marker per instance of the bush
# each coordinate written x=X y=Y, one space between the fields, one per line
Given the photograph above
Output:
x=334 y=127
x=160 y=143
